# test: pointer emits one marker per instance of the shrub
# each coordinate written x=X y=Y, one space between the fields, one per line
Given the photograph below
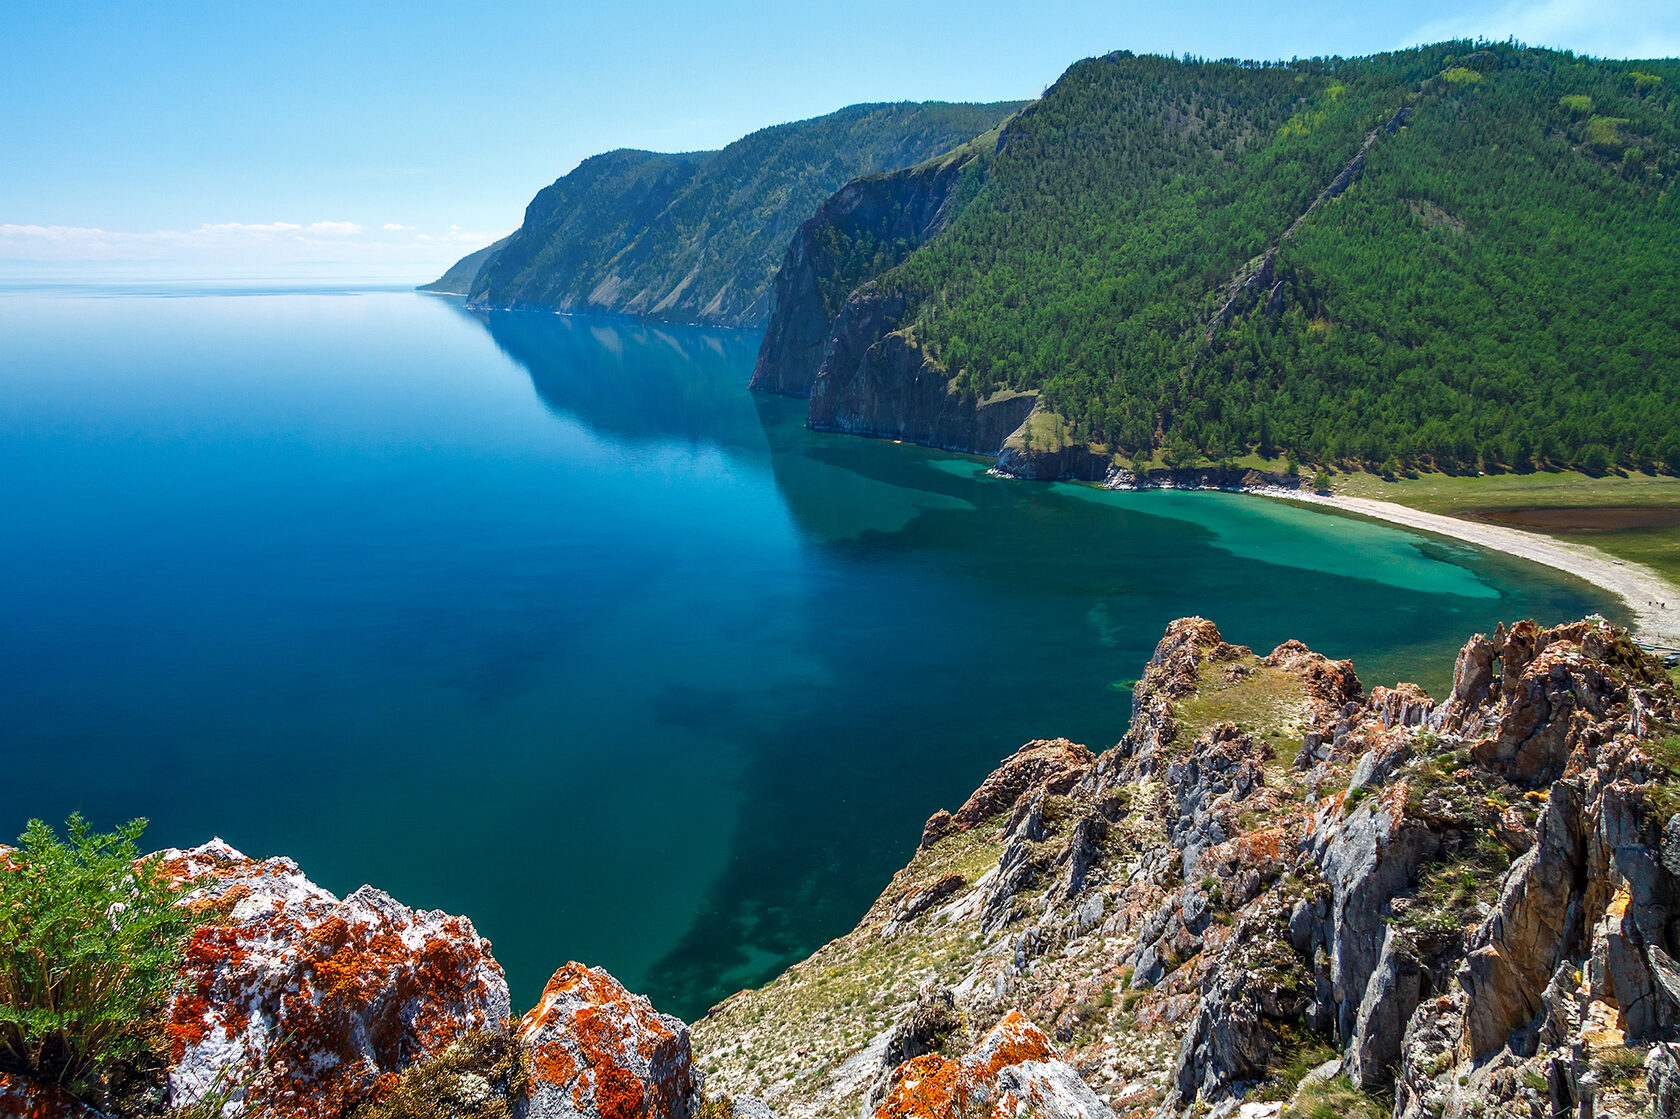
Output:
x=89 y=939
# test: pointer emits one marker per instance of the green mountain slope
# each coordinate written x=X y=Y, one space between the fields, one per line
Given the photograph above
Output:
x=458 y=280
x=698 y=236
x=1452 y=254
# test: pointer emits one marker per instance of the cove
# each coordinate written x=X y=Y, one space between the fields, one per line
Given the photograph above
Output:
x=548 y=621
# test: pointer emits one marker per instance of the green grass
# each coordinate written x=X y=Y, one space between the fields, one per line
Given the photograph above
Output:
x=1336 y=1099
x=1267 y=703
x=1459 y=495
x=1045 y=431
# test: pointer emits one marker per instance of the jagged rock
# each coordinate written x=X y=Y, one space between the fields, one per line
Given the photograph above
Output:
x=1044 y=766
x=309 y=998
x=1662 y=1072
x=749 y=1107
x=917 y=902
x=1473 y=674
x=932 y=1022
x=1370 y=856
x=1395 y=988
x=598 y=1052
x=1256 y=989
x=1013 y=1071
x=1176 y=910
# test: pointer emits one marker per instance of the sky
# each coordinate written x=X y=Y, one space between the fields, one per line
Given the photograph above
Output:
x=382 y=141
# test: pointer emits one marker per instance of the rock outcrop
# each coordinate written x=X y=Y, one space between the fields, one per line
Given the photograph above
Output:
x=598 y=1052
x=291 y=1003
x=1457 y=908
x=1013 y=1071
x=307 y=1001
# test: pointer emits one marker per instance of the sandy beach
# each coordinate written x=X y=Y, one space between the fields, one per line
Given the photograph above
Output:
x=1653 y=600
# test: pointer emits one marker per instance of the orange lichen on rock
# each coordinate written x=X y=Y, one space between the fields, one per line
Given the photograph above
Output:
x=597 y=1050
x=1014 y=1068
x=327 y=998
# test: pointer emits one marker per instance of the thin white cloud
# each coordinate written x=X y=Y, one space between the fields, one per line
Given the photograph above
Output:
x=1604 y=28
x=254 y=248
x=245 y=227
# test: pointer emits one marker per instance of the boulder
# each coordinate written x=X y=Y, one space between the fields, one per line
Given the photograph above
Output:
x=304 y=1002
x=598 y=1052
x=1014 y=1071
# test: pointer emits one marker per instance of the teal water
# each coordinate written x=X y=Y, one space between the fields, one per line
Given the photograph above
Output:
x=548 y=621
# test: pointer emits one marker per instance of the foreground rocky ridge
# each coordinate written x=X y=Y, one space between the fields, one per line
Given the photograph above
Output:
x=1280 y=888
x=1277 y=893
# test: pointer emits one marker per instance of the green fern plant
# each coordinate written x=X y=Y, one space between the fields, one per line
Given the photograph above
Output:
x=90 y=938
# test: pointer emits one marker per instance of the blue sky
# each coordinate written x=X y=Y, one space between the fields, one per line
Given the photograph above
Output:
x=383 y=140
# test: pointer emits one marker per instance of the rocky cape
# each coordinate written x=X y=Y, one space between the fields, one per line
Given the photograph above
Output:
x=1278 y=893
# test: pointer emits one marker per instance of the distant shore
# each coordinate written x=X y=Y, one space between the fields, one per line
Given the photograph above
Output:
x=1653 y=600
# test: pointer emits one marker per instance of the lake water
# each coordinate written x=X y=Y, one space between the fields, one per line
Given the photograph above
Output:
x=548 y=621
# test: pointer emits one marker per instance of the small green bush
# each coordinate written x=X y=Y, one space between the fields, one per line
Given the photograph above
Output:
x=90 y=936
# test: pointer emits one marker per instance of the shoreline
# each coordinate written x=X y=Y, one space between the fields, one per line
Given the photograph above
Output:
x=1653 y=601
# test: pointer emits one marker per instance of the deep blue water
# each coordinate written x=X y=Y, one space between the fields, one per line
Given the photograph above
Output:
x=548 y=621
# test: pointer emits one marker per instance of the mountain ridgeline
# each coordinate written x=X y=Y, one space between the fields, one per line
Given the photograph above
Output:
x=1455 y=256
x=697 y=236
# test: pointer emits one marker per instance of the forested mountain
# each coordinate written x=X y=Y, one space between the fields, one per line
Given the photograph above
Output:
x=458 y=280
x=698 y=236
x=1453 y=255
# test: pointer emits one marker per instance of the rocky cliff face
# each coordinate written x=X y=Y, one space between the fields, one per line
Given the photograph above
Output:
x=1280 y=888
x=1277 y=891
x=875 y=380
x=870 y=225
x=836 y=337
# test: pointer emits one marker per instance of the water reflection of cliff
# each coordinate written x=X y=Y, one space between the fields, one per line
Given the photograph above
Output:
x=649 y=383
x=637 y=381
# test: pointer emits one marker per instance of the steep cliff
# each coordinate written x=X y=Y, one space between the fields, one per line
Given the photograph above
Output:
x=876 y=380
x=697 y=236
x=866 y=228
x=1279 y=889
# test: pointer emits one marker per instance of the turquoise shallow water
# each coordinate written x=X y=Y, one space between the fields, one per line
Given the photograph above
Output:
x=548 y=621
